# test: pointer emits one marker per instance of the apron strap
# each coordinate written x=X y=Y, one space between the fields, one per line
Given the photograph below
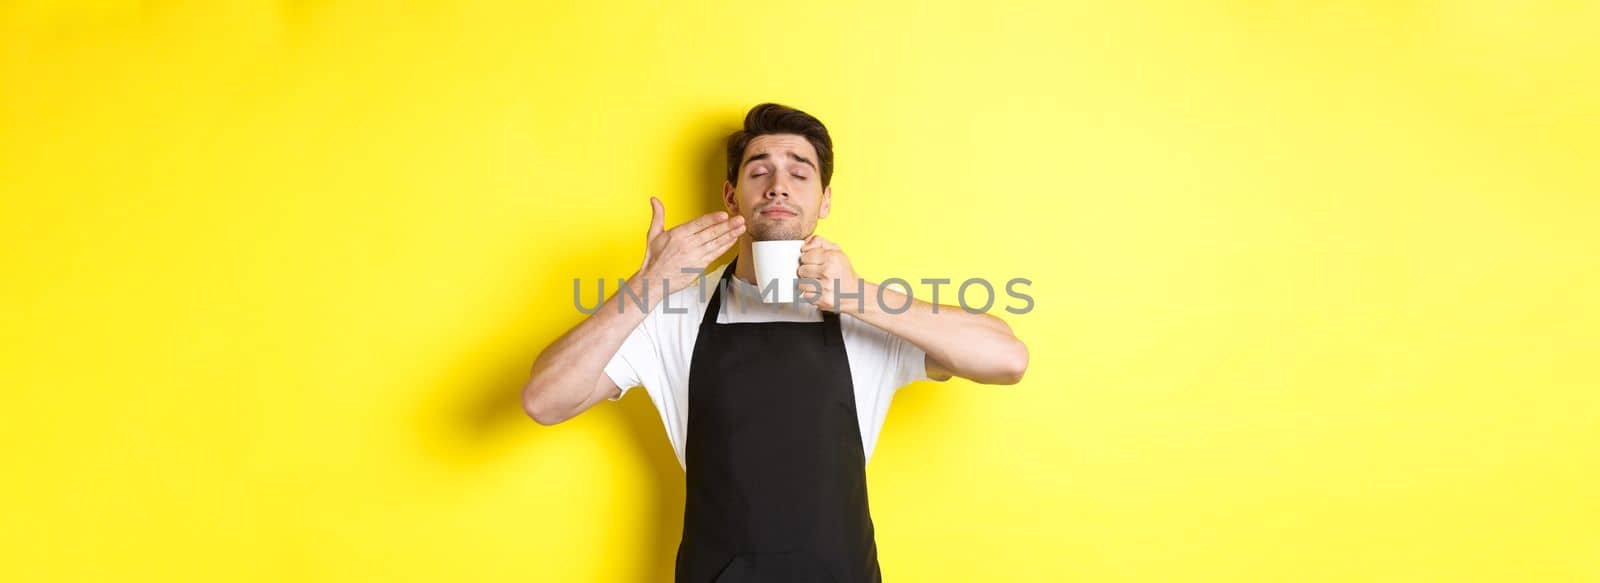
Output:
x=714 y=307
x=832 y=334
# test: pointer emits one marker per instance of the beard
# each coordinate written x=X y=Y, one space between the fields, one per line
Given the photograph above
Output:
x=762 y=228
x=765 y=229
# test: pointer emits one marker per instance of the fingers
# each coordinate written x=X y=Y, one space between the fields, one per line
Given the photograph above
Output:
x=721 y=244
x=725 y=231
x=722 y=220
x=815 y=242
x=711 y=231
x=810 y=271
x=699 y=224
x=658 y=217
x=813 y=257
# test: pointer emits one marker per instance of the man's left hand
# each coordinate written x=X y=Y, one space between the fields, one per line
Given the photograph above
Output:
x=825 y=262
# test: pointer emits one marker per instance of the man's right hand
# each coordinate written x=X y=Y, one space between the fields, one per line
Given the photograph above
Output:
x=679 y=254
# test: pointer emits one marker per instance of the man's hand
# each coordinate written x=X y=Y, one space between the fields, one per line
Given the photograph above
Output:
x=980 y=347
x=822 y=260
x=669 y=254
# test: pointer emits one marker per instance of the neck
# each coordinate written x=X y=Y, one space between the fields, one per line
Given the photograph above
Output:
x=746 y=269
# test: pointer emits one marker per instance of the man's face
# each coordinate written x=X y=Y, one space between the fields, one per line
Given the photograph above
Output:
x=780 y=192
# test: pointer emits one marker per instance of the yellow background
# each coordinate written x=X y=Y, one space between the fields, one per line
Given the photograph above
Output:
x=1316 y=287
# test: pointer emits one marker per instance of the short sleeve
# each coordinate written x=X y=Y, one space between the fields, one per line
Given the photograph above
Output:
x=625 y=366
x=911 y=364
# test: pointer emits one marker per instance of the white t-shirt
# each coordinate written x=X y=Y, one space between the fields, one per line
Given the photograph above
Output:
x=657 y=354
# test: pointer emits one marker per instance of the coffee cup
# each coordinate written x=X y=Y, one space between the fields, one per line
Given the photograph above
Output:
x=776 y=264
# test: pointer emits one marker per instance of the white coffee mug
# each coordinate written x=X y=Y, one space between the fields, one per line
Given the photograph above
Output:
x=776 y=264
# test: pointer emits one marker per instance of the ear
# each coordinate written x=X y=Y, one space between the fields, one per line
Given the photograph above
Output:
x=827 y=200
x=729 y=201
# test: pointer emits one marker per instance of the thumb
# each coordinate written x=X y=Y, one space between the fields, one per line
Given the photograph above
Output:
x=657 y=219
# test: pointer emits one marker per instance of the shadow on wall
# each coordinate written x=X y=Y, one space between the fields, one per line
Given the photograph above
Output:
x=472 y=416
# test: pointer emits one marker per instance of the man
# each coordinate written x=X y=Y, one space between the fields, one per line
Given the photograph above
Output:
x=773 y=409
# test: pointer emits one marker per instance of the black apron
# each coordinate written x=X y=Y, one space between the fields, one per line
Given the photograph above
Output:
x=776 y=483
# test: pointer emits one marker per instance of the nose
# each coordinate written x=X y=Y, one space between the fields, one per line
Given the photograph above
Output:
x=778 y=189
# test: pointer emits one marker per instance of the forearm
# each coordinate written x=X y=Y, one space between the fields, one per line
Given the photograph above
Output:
x=980 y=347
x=567 y=373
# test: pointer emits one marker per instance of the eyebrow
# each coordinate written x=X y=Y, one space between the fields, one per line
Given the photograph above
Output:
x=797 y=157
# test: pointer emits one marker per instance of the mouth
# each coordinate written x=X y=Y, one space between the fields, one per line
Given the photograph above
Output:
x=779 y=212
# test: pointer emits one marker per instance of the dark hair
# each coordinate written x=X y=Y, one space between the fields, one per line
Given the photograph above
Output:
x=772 y=118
